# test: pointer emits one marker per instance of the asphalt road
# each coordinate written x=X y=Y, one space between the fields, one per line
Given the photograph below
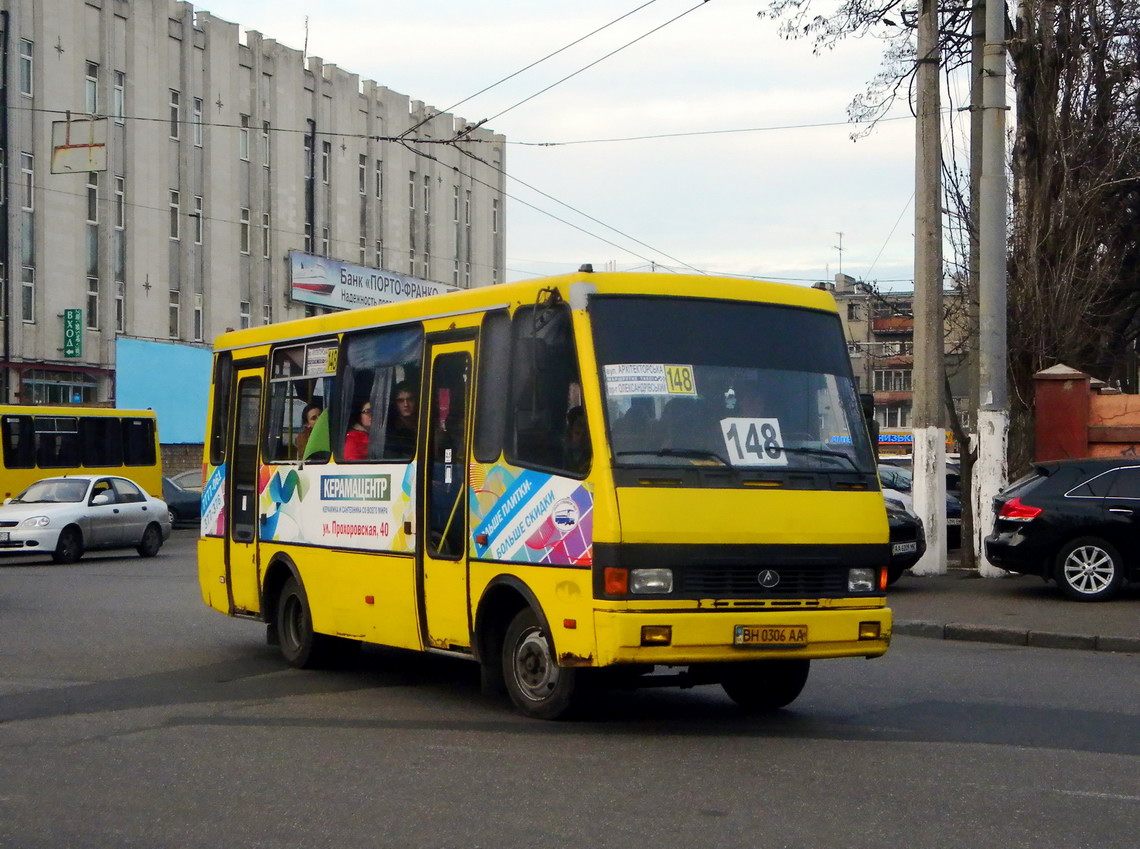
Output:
x=133 y=716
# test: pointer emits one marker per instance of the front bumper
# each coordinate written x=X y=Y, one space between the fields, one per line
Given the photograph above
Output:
x=28 y=540
x=707 y=637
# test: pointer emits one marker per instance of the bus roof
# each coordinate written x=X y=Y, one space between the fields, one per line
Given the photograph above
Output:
x=526 y=292
x=69 y=410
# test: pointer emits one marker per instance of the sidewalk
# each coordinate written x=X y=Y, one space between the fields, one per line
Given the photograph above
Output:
x=1014 y=610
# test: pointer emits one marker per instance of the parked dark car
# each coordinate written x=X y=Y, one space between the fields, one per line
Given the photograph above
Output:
x=1076 y=522
x=185 y=505
x=901 y=482
x=908 y=541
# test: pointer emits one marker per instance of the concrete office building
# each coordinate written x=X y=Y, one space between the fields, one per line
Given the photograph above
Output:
x=223 y=155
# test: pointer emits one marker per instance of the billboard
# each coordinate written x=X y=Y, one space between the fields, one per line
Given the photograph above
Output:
x=144 y=380
x=341 y=285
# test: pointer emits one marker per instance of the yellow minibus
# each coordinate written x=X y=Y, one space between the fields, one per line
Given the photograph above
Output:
x=580 y=479
x=39 y=442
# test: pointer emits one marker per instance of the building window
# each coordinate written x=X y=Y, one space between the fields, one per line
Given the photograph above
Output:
x=243 y=138
x=427 y=195
x=198 y=132
x=324 y=241
x=119 y=97
x=120 y=306
x=244 y=230
x=494 y=215
x=175 y=114
x=893 y=380
x=266 y=314
x=265 y=143
x=175 y=313
x=198 y=317
x=243 y=314
x=852 y=311
x=27 y=79
x=467 y=209
x=91 y=89
x=898 y=416
x=92 y=303
x=198 y=217
x=93 y=197
x=411 y=190
x=120 y=203
x=308 y=237
x=379 y=178
x=28 y=295
x=92 y=250
x=326 y=161
x=455 y=273
x=379 y=254
x=308 y=143
x=28 y=180
x=362 y=174
x=265 y=235
x=174 y=233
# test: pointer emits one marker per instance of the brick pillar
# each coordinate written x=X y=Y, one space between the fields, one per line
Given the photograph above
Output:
x=1061 y=401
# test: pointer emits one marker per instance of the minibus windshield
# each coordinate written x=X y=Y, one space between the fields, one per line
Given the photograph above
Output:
x=718 y=383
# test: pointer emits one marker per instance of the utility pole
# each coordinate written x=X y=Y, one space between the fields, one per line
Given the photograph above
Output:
x=929 y=349
x=993 y=396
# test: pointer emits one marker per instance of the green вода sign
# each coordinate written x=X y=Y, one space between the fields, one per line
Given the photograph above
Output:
x=73 y=333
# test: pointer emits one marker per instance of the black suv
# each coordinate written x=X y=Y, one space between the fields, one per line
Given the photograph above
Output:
x=1074 y=521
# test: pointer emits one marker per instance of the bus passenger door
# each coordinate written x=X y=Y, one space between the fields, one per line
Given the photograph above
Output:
x=242 y=574
x=443 y=541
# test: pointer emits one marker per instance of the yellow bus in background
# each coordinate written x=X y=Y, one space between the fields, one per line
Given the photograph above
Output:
x=39 y=442
x=605 y=476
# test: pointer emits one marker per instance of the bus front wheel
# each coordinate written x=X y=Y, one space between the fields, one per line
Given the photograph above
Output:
x=537 y=685
x=764 y=685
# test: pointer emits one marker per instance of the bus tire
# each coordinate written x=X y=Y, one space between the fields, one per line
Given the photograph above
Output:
x=151 y=541
x=764 y=685
x=299 y=645
x=537 y=685
x=69 y=546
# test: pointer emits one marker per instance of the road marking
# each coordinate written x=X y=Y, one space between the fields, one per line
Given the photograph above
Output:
x=1096 y=795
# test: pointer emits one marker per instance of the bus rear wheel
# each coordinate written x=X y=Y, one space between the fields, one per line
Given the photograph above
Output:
x=764 y=685
x=300 y=646
x=537 y=685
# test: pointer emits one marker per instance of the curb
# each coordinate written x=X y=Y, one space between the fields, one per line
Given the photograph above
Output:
x=1015 y=636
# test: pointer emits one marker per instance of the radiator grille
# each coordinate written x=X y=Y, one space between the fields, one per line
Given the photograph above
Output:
x=738 y=580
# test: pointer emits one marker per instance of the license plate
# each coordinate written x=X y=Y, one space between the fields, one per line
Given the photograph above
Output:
x=904 y=547
x=953 y=522
x=770 y=636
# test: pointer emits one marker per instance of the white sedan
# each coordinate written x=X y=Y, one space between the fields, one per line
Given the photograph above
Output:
x=66 y=516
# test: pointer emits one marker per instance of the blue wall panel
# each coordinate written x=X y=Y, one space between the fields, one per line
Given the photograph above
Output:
x=173 y=380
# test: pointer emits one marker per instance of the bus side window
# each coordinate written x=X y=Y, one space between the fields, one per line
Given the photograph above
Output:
x=138 y=442
x=378 y=365
x=101 y=438
x=19 y=442
x=219 y=416
x=492 y=395
x=545 y=385
x=57 y=442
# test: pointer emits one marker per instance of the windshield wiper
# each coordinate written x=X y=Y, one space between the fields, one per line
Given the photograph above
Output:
x=820 y=452
x=691 y=453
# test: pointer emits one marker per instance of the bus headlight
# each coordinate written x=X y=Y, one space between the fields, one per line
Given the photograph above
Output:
x=35 y=522
x=860 y=580
x=651 y=581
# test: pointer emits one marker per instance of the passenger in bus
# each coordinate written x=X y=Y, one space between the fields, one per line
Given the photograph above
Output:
x=577 y=449
x=637 y=429
x=402 y=422
x=356 y=440
x=309 y=417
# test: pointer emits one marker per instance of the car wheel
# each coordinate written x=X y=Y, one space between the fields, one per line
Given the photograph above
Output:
x=1089 y=569
x=173 y=517
x=537 y=685
x=69 y=546
x=764 y=685
x=151 y=541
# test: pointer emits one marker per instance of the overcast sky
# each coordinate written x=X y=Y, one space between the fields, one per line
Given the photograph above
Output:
x=769 y=203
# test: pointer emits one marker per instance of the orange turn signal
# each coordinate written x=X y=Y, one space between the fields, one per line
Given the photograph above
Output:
x=882 y=578
x=616 y=581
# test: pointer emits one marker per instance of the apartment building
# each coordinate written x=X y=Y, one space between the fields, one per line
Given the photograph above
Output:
x=224 y=158
x=879 y=326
